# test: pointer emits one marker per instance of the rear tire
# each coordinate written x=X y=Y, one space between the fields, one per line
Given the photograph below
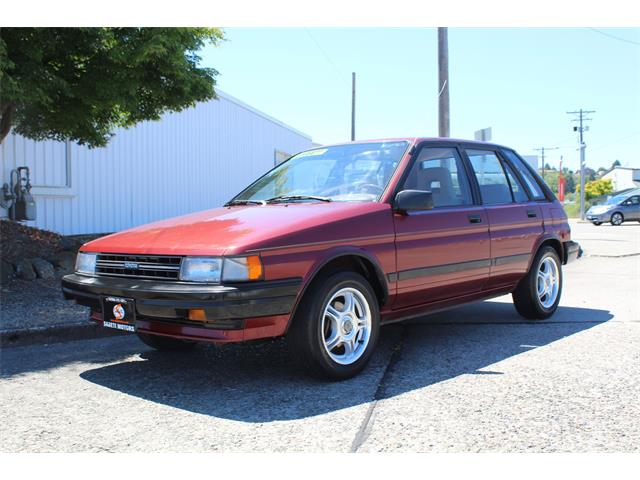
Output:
x=537 y=295
x=336 y=326
x=165 y=343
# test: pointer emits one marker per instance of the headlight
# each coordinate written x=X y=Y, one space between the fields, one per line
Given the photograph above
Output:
x=598 y=209
x=201 y=269
x=216 y=269
x=86 y=263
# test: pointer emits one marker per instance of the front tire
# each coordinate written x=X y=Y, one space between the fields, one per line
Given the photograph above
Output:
x=617 y=219
x=597 y=224
x=538 y=293
x=165 y=343
x=336 y=326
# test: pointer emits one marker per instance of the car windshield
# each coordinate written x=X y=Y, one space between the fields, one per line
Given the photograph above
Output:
x=352 y=172
x=616 y=200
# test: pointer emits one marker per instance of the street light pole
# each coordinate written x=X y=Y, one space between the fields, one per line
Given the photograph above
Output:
x=443 y=82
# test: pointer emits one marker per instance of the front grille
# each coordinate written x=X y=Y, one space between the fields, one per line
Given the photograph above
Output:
x=157 y=267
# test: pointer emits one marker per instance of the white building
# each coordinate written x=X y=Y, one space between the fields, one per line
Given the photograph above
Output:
x=188 y=161
x=623 y=178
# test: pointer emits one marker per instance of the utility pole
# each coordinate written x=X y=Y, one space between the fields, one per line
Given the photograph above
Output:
x=443 y=82
x=582 y=128
x=542 y=150
x=353 y=106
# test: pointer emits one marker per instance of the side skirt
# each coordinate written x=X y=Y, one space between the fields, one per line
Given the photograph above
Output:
x=393 y=316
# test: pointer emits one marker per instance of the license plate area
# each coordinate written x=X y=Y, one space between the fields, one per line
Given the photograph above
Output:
x=119 y=313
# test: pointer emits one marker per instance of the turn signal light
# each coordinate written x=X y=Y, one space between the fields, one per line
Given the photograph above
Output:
x=255 y=267
x=197 y=315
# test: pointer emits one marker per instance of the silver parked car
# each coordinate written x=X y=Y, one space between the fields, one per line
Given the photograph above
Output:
x=620 y=208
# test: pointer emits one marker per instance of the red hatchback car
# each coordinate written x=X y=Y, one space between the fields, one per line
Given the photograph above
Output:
x=332 y=244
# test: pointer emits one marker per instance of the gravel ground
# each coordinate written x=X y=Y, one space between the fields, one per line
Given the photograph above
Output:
x=37 y=303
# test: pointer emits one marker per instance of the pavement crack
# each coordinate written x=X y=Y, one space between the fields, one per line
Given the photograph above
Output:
x=368 y=420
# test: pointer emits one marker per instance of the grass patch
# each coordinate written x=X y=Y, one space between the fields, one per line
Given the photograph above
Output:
x=573 y=209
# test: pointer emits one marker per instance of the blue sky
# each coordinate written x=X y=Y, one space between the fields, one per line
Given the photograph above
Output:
x=520 y=82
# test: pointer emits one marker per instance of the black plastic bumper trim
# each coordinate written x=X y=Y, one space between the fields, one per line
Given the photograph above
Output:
x=172 y=300
x=572 y=251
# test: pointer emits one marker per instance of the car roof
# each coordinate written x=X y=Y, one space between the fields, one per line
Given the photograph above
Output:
x=629 y=193
x=417 y=140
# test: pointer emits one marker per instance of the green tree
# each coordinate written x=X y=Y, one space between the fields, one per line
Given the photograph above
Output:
x=569 y=183
x=616 y=164
x=82 y=83
x=551 y=179
x=589 y=174
x=596 y=188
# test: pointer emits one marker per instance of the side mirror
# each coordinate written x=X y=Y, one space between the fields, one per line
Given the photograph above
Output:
x=408 y=200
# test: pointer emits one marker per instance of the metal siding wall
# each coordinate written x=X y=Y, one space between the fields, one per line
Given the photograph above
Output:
x=188 y=161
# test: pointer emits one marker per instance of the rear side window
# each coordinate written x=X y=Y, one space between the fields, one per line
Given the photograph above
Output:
x=440 y=171
x=494 y=187
x=519 y=194
x=534 y=188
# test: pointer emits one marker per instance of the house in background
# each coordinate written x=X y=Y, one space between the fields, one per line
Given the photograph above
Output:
x=188 y=161
x=623 y=178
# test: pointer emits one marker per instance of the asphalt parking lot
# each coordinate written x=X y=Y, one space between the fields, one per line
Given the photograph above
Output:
x=474 y=379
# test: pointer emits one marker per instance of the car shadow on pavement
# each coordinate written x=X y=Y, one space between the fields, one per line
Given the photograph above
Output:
x=23 y=359
x=262 y=383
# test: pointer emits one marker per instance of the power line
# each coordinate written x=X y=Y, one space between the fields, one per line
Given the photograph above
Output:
x=620 y=39
x=616 y=141
x=326 y=56
x=342 y=79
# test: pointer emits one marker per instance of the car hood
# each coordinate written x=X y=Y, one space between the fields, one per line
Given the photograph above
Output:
x=234 y=230
x=596 y=209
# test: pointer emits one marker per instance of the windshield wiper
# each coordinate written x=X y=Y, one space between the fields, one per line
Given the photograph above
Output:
x=285 y=198
x=245 y=202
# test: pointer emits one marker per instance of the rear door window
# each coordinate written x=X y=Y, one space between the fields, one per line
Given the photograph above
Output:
x=494 y=186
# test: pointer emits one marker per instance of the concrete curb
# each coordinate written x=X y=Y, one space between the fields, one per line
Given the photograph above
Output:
x=54 y=334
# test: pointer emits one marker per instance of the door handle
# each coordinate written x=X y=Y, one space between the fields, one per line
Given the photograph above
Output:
x=531 y=213
x=475 y=219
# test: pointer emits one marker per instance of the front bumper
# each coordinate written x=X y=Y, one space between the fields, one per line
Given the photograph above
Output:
x=162 y=307
x=599 y=217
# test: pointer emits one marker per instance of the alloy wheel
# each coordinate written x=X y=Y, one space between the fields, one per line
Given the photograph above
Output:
x=616 y=219
x=548 y=280
x=346 y=326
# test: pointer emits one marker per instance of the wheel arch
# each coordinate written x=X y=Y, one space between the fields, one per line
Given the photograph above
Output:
x=346 y=260
x=552 y=241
